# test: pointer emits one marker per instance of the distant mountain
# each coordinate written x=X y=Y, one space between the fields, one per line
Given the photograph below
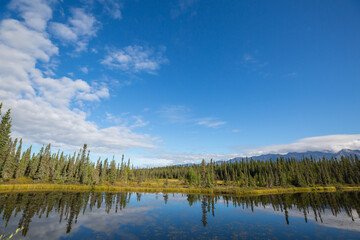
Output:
x=297 y=155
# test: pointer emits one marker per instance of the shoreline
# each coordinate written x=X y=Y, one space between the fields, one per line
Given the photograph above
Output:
x=237 y=191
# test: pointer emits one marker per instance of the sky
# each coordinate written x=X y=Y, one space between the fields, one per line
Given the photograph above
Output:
x=172 y=82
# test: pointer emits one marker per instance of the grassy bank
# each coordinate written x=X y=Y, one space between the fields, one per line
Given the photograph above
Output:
x=217 y=190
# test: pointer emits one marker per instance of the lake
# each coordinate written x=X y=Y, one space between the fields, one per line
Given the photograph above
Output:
x=124 y=215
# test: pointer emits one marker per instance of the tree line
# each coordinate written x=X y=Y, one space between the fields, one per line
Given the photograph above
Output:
x=16 y=163
x=56 y=167
x=270 y=173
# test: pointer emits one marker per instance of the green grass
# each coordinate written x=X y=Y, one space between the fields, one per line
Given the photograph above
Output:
x=3 y=237
x=172 y=189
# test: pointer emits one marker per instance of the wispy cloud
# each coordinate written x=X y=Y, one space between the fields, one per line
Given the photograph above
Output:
x=63 y=31
x=85 y=70
x=83 y=23
x=125 y=120
x=252 y=62
x=175 y=113
x=183 y=114
x=35 y=13
x=136 y=59
x=290 y=75
x=113 y=8
x=247 y=58
x=79 y=29
x=182 y=7
x=210 y=122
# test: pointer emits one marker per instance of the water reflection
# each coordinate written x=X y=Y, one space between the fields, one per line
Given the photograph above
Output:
x=305 y=203
x=68 y=206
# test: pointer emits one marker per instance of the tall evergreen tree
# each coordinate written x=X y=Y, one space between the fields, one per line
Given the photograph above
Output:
x=8 y=160
x=112 y=172
x=43 y=169
x=23 y=164
x=96 y=173
x=203 y=173
x=5 y=131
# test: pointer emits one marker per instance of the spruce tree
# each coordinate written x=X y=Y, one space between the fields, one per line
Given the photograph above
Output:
x=34 y=164
x=191 y=177
x=96 y=173
x=112 y=173
x=5 y=131
x=70 y=168
x=84 y=166
x=203 y=173
x=103 y=173
x=59 y=166
x=43 y=169
x=24 y=162
x=8 y=161
x=17 y=157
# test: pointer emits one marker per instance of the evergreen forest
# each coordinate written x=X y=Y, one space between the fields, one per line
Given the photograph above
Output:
x=58 y=167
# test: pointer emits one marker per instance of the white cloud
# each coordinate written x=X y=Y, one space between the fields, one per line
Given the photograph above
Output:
x=43 y=107
x=290 y=75
x=253 y=63
x=112 y=7
x=332 y=143
x=136 y=59
x=63 y=31
x=36 y=13
x=182 y=114
x=166 y=158
x=39 y=122
x=176 y=113
x=80 y=28
x=84 y=70
x=182 y=7
x=138 y=122
x=130 y=122
x=248 y=58
x=37 y=45
x=209 y=122
x=83 y=24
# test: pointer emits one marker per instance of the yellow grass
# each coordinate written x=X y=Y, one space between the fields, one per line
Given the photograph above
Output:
x=349 y=188
x=173 y=187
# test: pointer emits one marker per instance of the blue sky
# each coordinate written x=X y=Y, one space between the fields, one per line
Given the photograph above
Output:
x=168 y=82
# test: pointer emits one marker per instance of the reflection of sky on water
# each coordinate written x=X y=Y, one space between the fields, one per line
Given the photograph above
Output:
x=151 y=218
x=340 y=221
x=101 y=223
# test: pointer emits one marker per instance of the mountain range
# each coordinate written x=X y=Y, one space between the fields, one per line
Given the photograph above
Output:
x=299 y=155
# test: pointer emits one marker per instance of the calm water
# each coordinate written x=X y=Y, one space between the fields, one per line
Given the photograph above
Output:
x=64 y=215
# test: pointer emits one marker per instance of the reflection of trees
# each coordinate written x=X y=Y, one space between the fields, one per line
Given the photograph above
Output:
x=305 y=203
x=69 y=205
x=138 y=197
x=166 y=198
x=204 y=210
